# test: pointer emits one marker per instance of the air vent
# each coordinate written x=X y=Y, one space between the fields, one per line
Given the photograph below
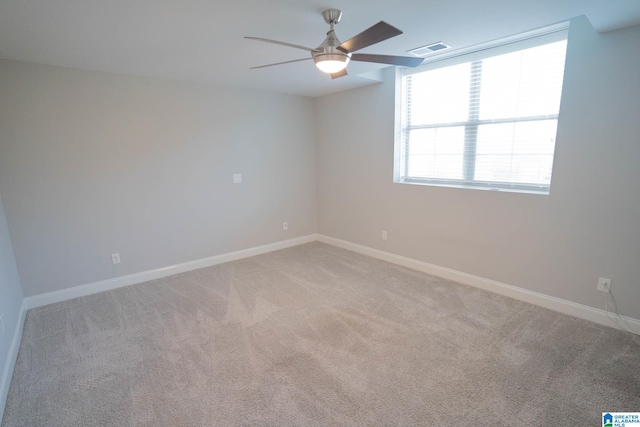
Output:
x=423 y=51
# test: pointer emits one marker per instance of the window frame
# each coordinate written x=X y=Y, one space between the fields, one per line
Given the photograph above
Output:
x=473 y=55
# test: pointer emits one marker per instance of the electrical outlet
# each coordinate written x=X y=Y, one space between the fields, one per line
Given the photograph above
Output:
x=384 y=235
x=285 y=226
x=604 y=285
x=115 y=258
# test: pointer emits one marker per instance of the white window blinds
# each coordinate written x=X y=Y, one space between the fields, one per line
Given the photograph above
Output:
x=485 y=119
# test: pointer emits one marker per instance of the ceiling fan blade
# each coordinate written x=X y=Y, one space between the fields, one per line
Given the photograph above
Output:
x=280 y=63
x=405 y=61
x=339 y=74
x=372 y=35
x=297 y=46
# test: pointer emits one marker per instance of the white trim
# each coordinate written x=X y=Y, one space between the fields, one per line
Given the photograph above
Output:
x=145 y=276
x=536 y=298
x=557 y=304
x=12 y=356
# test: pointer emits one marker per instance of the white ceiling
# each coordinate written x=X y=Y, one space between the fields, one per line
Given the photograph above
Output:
x=202 y=40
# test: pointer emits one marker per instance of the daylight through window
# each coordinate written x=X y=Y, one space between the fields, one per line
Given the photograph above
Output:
x=486 y=119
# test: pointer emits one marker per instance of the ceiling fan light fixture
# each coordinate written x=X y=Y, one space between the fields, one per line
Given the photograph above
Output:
x=330 y=66
x=331 y=63
x=332 y=56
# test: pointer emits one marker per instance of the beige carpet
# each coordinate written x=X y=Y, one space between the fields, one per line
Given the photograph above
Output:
x=315 y=335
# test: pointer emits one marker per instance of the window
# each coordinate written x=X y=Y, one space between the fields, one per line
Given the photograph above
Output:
x=483 y=119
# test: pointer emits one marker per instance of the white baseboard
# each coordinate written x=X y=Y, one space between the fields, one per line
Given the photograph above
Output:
x=536 y=298
x=144 y=276
x=12 y=356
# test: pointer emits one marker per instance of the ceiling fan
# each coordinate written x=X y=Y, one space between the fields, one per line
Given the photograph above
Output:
x=332 y=56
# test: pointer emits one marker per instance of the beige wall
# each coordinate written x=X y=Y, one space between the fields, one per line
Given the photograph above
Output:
x=589 y=226
x=93 y=163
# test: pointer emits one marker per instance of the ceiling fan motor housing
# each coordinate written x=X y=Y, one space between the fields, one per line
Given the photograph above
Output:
x=328 y=50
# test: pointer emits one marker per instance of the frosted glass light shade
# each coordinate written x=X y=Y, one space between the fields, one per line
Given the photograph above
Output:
x=331 y=66
x=331 y=60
